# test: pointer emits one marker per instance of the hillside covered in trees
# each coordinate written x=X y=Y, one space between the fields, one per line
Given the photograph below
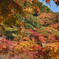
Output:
x=28 y=30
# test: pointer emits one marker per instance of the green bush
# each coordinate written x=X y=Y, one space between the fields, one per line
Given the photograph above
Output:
x=32 y=22
x=29 y=26
x=43 y=8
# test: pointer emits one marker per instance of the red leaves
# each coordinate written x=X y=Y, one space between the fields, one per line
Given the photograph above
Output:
x=3 y=36
x=6 y=45
x=35 y=10
x=17 y=1
x=27 y=16
x=38 y=36
x=35 y=2
x=36 y=47
x=23 y=1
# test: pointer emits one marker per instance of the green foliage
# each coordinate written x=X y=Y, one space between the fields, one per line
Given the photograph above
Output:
x=29 y=26
x=45 y=30
x=57 y=16
x=10 y=20
x=11 y=32
x=18 y=17
x=32 y=22
x=1 y=32
x=8 y=35
x=43 y=8
x=56 y=21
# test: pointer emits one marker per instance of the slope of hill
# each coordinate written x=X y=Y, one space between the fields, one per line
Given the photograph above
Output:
x=31 y=31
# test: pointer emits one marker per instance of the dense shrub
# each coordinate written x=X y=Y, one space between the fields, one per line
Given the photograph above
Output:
x=32 y=22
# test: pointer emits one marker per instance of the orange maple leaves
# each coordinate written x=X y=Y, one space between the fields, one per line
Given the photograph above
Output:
x=53 y=49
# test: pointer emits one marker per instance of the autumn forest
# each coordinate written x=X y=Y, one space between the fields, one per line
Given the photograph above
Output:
x=28 y=30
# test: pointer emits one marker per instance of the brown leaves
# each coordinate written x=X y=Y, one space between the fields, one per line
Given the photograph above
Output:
x=56 y=1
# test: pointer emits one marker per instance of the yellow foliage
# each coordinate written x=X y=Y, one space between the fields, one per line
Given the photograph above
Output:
x=1 y=28
x=28 y=10
x=25 y=45
x=53 y=48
